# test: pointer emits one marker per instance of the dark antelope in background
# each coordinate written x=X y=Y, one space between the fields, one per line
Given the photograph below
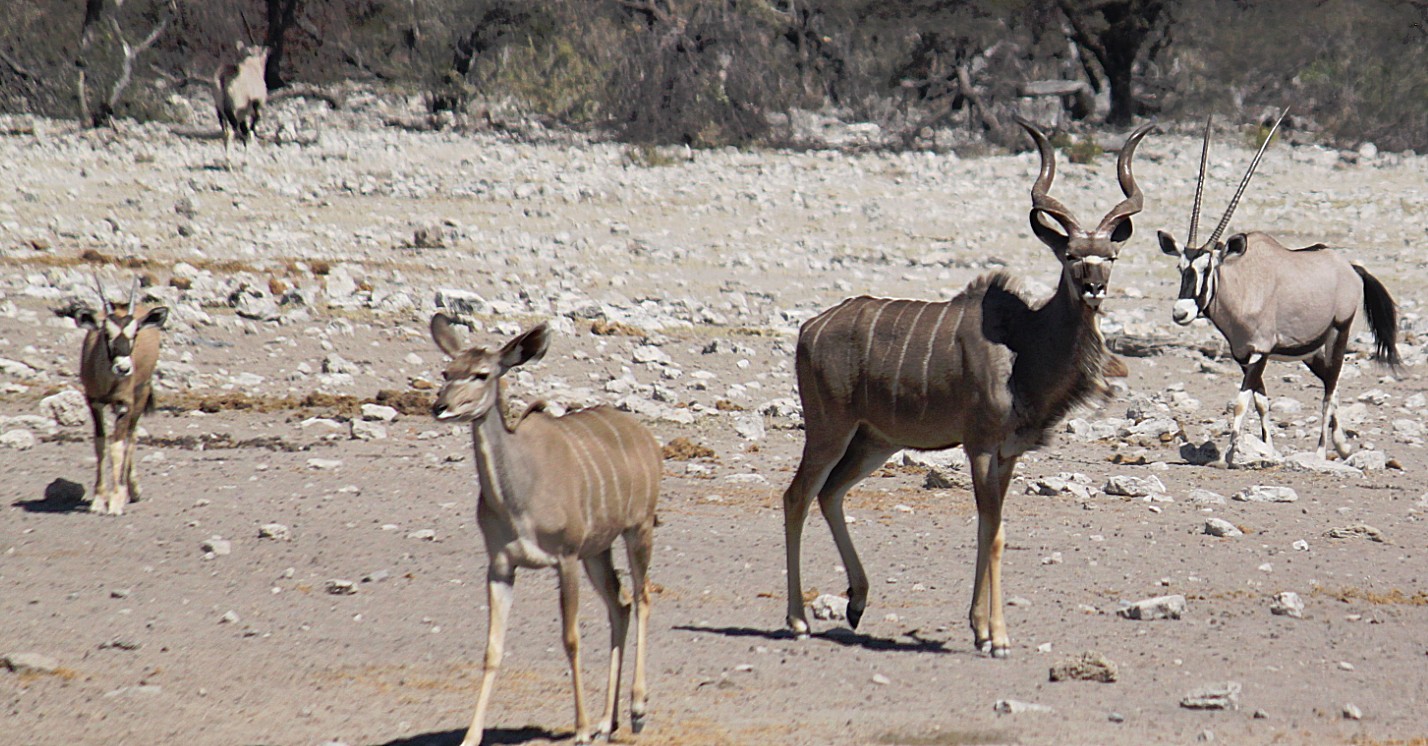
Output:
x=116 y=370
x=240 y=93
x=555 y=492
x=1275 y=303
x=983 y=370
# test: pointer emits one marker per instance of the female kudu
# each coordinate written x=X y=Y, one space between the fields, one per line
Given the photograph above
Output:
x=555 y=492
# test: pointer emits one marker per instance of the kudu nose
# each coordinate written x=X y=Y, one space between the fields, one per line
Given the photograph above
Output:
x=1093 y=293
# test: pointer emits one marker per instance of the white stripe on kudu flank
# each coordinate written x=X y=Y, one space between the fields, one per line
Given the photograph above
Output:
x=902 y=356
x=931 y=350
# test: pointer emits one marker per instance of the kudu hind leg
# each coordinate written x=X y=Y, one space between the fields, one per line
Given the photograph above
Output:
x=820 y=454
x=639 y=545
x=861 y=459
x=500 y=592
x=991 y=476
x=601 y=569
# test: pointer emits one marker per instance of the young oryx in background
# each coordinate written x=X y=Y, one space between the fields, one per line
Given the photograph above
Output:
x=1275 y=303
x=116 y=370
x=555 y=492
x=240 y=93
x=983 y=370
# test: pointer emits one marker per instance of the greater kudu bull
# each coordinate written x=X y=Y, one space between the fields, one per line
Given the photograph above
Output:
x=1275 y=303
x=117 y=361
x=983 y=370
x=555 y=492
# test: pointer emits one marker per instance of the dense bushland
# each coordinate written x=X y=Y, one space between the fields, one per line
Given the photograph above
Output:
x=714 y=72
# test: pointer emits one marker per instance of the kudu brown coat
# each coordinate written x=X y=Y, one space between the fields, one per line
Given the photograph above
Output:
x=983 y=370
x=555 y=492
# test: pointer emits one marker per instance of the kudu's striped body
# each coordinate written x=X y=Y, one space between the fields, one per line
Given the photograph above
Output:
x=240 y=92
x=983 y=370
x=555 y=492
x=1276 y=303
x=116 y=369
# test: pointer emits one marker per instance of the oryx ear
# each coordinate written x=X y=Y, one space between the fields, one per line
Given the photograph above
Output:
x=1048 y=235
x=84 y=318
x=1167 y=243
x=444 y=335
x=529 y=347
x=1123 y=231
x=156 y=317
x=1235 y=245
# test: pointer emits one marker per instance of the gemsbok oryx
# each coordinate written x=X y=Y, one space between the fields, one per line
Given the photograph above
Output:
x=240 y=93
x=1275 y=303
x=116 y=370
x=983 y=370
x=555 y=492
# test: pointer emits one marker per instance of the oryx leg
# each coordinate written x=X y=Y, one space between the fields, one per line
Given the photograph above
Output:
x=862 y=457
x=639 y=545
x=1326 y=366
x=99 y=501
x=822 y=451
x=120 y=446
x=1252 y=383
x=570 y=636
x=601 y=569
x=991 y=475
x=500 y=592
x=1261 y=405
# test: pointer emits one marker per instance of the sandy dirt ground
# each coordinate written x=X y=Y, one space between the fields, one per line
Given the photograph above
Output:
x=702 y=265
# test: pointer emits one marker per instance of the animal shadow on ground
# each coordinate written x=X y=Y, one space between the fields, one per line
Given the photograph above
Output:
x=61 y=496
x=842 y=636
x=492 y=736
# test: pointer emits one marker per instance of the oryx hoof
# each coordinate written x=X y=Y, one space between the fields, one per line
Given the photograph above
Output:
x=799 y=627
x=637 y=722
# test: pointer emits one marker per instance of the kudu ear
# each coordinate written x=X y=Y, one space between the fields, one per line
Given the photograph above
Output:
x=156 y=317
x=1048 y=235
x=1167 y=243
x=85 y=318
x=1122 y=231
x=1235 y=245
x=529 y=347
x=444 y=336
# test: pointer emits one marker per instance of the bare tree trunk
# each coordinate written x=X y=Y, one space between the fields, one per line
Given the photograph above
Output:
x=93 y=13
x=1114 y=32
x=282 y=15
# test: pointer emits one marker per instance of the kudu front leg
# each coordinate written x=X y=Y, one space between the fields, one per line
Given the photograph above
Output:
x=570 y=636
x=500 y=592
x=991 y=476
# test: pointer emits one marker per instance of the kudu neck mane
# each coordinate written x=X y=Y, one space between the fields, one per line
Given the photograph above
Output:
x=1060 y=354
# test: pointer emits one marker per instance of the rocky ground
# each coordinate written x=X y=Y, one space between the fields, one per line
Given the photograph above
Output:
x=305 y=569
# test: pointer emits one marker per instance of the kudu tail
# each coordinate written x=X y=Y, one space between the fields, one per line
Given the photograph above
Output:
x=1382 y=319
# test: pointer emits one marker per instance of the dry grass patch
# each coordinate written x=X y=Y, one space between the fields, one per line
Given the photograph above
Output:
x=1392 y=597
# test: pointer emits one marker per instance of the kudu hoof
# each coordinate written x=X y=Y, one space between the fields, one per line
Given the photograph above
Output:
x=855 y=611
x=799 y=627
x=637 y=723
